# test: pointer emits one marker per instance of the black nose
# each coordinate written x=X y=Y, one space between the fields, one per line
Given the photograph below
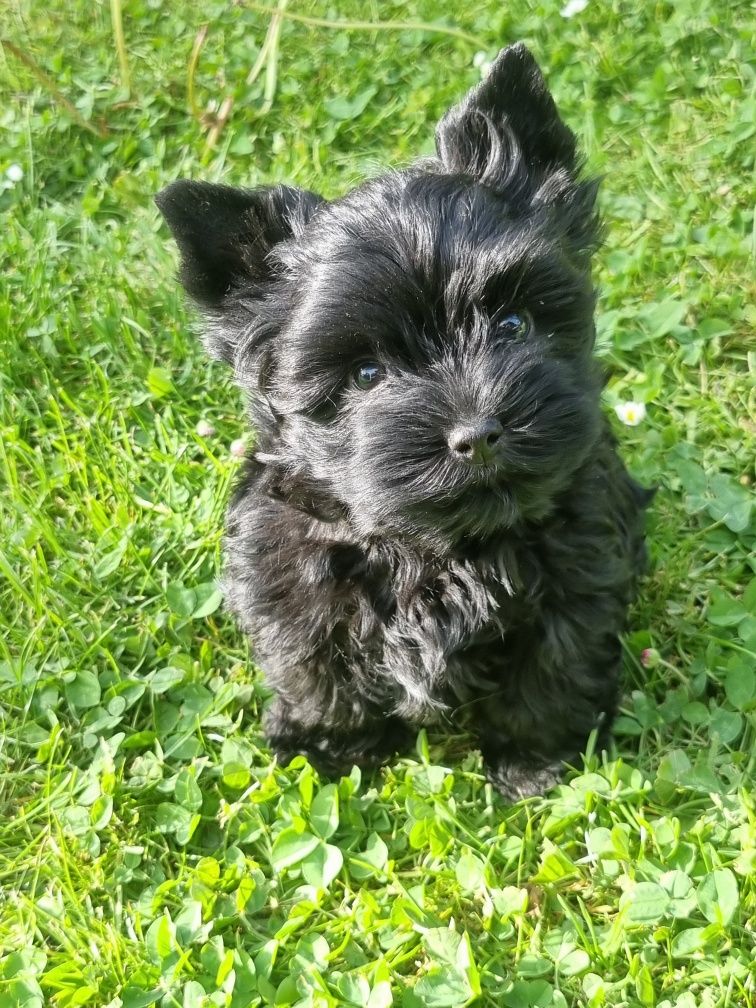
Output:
x=476 y=442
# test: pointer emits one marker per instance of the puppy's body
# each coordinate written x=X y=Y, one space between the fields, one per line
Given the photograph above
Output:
x=362 y=639
x=434 y=522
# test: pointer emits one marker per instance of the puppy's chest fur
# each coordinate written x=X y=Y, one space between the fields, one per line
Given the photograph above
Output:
x=382 y=619
x=444 y=642
x=417 y=633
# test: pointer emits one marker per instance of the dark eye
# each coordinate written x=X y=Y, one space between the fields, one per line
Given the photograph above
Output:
x=515 y=323
x=368 y=374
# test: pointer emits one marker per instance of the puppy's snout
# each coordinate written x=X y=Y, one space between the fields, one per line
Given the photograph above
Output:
x=476 y=442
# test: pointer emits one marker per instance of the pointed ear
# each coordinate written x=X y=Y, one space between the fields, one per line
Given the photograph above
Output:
x=506 y=132
x=225 y=237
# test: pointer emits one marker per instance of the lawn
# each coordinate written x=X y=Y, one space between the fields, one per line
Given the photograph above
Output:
x=151 y=852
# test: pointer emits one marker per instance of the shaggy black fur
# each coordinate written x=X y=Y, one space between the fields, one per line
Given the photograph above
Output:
x=434 y=519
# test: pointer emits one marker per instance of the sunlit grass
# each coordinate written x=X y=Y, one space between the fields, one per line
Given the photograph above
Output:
x=150 y=850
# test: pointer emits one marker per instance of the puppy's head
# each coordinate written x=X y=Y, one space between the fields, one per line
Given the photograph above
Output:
x=417 y=354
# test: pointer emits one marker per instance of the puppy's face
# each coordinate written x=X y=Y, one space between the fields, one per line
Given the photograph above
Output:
x=418 y=353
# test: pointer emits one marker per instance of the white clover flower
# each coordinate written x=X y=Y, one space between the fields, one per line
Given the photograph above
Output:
x=14 y=173
x=205 y=429
x=573 y=7
x=238 y=448
x=631 y=413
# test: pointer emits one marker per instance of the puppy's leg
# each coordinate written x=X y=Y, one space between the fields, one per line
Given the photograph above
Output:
x=313 y=610
x=334 y=740
x=561 y=683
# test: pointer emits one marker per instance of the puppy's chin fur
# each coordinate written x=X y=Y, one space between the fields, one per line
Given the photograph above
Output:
x=435 y=518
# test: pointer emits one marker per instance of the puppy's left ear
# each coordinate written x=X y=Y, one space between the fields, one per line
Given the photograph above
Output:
x=506 y=133
x=225 y=237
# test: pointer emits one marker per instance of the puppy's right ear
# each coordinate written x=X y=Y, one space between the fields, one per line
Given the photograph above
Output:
x=225 y=237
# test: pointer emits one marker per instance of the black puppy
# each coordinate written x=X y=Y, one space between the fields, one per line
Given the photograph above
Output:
x=434 y=521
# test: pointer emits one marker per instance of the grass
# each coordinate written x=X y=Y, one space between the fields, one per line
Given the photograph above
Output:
x=150 y=850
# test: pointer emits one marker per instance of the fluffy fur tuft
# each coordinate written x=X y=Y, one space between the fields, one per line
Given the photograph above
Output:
x=434 y=520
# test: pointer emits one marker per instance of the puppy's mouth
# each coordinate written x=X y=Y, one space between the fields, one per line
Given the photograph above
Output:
x=481 y=504
x=481 y=507
x=479 y=489
x=459 y=485
x=484 y=478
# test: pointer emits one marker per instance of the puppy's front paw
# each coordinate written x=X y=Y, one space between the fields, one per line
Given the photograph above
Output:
x=518 y=780
x=333 y=751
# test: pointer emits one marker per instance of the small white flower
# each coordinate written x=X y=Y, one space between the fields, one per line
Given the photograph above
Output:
x=205 y=429
x=238 y=448
x=14 y=173
x=573 y=7
x=631 y=413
